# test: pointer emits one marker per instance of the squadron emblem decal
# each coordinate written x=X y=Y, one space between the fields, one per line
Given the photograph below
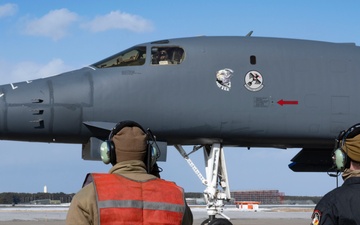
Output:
x=316 y=216
x=254 y=81
x=223 y=79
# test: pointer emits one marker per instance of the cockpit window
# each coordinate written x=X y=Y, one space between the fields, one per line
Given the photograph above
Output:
x=131 y=57
x=166 y=55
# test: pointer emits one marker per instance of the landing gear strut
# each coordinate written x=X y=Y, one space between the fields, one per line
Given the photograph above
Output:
x=217 y=189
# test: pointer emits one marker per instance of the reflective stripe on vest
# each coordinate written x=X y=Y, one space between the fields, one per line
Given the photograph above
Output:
x=124 y=201
x=141 y=205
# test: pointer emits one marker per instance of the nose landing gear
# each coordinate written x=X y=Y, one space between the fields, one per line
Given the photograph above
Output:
x=217 y=189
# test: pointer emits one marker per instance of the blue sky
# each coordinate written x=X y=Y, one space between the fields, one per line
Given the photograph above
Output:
x=44 y=38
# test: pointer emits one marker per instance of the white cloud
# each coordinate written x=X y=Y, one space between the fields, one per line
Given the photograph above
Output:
x=8 y=10
x=26 y=70
x=119 y=20
x=54 y=24
x=54 y=67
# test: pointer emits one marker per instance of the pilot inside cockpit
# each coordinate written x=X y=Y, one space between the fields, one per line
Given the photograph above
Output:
x=163 y=57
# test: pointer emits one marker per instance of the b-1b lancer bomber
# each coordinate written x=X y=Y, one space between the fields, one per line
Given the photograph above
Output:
x=209 y=92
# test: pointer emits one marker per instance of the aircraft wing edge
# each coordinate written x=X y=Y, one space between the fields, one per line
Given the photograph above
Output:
x=312 y=160
x=100 y=125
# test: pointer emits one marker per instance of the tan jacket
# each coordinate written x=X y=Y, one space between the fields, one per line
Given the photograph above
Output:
x=83 y=208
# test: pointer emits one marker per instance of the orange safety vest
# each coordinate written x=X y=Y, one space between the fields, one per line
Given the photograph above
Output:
x=124 y=201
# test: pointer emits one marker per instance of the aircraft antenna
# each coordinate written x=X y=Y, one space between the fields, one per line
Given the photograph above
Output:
x=249 y=34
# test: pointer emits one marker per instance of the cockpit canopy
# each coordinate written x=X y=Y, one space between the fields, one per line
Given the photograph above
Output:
x=136 y=56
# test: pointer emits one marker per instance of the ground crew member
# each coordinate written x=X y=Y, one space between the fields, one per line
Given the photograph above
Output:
x=130 y=193
x=341 y=205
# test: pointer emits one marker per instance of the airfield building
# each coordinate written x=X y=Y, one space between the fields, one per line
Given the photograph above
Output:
x=262 y=196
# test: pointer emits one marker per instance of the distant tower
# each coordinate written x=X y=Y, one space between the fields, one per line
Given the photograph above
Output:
x=45 y=189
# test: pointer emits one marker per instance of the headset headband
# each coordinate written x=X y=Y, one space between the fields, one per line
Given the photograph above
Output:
x=107 y=149
x=352 y=131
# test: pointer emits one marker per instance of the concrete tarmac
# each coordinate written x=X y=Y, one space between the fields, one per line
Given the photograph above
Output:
x=57 y=215
x=196 y=222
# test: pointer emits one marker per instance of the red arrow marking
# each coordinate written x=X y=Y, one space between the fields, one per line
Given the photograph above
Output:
x=283 y=102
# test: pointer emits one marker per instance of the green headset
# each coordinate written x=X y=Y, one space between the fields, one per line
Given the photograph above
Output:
x=339 y=155
x=107 y=148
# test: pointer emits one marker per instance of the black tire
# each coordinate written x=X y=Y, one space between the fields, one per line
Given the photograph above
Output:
x=205 y=222
x=220 y=221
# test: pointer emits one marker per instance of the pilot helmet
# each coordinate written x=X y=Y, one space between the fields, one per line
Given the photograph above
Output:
x=163 y=55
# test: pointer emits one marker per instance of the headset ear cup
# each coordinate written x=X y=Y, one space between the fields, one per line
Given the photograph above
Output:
x=112 y=152
x=339 y=159
x=148 y=158
x=105 y=152
x=153 y=153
